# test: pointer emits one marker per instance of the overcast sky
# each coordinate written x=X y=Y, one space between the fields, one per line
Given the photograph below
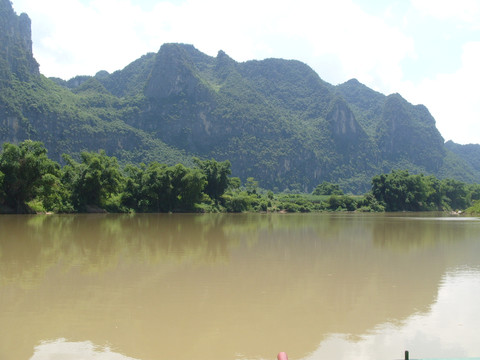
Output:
x=426 y=50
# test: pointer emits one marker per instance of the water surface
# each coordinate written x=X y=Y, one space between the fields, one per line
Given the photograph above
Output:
x=184 y=286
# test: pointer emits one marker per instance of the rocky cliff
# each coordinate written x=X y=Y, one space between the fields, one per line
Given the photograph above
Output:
x=16 y=54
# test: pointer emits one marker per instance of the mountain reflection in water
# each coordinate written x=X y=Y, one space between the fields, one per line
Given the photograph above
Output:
x=188 y=286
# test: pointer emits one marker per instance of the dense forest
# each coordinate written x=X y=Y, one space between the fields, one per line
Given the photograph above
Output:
x=31 y=182
x=274 y=120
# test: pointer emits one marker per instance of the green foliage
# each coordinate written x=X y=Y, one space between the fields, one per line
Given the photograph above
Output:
x=188 y=185
x=216 y=176
x=30 y=181
x=400 y=191
x=251 y=185
x=474 y=190
x=2 y=192
x=327 y=188
x=467 y=156
x=369 y=203
x=131 y=80
x=155 y=187
x=93 y=181
x=26 y=171
x=239 y=201
x=234 y=183
x=295 y=203
x=455 y=194
x=132 y=194
x=54 y=195
x=474 y=209
x=341 y=203
x=160 y=188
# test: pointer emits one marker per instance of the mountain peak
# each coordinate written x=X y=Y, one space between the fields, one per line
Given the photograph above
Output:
x=175 y=72
x=222 y=57
x=16 y=56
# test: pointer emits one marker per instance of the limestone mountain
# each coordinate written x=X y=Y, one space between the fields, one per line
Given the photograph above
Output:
x=276 y=120
x=16 y=44
x=85 y=117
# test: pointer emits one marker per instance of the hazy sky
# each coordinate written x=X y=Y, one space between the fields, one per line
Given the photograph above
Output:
x=426 y=50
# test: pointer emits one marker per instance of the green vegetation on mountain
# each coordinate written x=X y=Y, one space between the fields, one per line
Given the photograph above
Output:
x=274 y=120
x=470 y=154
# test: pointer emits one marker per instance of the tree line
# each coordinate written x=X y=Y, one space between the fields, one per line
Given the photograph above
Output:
x=31 y=182
x=401 y=191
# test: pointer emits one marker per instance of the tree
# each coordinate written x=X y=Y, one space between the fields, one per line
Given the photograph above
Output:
x=156 y=189
x=131 y=195
x=216 y=175
x=234 y=183
x=327 y=188
x=187 y=185
x=2 y=194
x=54 y=195
x=27 y=171
x=341 y=202
x=400 y=191
x=455 y=194
x=92 y=181
x=159 y=188
x=474 y=190
x=251 y=185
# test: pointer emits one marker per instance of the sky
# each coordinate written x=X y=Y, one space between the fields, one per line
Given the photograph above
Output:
x=426 y=50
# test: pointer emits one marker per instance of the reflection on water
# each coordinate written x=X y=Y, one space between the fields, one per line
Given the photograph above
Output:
x=448 y=330
x=67 y=350
x=215 y=286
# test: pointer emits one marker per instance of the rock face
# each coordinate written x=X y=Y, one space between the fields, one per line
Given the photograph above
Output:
x=402 y=132
x=407 y=132
x=175 y=75
x=16 y=38
x=342 y=121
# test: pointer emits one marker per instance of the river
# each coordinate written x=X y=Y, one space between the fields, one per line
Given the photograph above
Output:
x=239 y=286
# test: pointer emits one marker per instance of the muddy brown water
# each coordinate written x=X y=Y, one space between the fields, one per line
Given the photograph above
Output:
x=238 y=286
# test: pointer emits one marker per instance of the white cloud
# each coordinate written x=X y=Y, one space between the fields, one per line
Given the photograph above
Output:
x=453 y=98
x=463 y=10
